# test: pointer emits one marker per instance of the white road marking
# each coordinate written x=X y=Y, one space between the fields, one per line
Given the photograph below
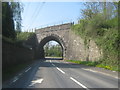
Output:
x=15 y=79
x=36 y=81
x=113 y=71
x=28 y=69
x=20 y=74
x=60 y=70
x=66 y=62
x=100 y=72
x=53 y=64
x=89 y=70
x=79 y=83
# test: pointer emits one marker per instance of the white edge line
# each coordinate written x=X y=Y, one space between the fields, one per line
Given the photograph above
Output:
x=15 y=79
x=28 y=69
x=53 y=64
x=100 y=72
x=60 y=70
x=20 y=74
x=78 y=83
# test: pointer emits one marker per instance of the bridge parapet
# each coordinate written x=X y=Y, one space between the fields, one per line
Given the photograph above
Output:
x=54 y=28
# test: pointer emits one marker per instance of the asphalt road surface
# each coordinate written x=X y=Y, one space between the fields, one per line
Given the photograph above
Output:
x=52 y=73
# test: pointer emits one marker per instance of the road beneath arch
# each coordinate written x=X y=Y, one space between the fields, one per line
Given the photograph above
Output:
x=56 y=73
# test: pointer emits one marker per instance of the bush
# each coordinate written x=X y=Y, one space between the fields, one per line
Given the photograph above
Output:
x=104 y=33
x=22 y=36
x=96 y=64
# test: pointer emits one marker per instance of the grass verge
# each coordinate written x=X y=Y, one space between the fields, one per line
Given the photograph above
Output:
x=96 y=64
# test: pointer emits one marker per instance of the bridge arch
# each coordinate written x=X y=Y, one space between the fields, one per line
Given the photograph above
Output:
x=73 y=45
x=48 y=38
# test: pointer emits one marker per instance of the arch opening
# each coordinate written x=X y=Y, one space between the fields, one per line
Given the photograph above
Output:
x=53 y=49
x=45 y=40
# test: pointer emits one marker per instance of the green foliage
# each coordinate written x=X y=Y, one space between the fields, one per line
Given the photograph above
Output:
x=109 y=44
x=54 y=51
x=22 y=36
x=17 y=8
x=8 y=39
x=7 y=21
x=97 y=26
x=113 y=68
x=11 y=13
x=88 y=63
x=96 y=64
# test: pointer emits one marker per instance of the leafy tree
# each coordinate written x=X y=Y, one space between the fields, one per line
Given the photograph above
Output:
x=53 y=50
x=11 y=18
x=17 y=10
x=7 y=21
x=100 y=23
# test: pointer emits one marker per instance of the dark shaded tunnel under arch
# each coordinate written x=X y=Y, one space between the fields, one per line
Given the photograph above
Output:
x=52 y=37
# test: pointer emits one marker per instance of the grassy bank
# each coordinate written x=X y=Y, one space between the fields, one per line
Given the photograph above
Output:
x=96 y=64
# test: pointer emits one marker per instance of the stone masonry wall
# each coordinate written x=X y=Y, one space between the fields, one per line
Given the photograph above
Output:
x=77 y=50
x=13 y=55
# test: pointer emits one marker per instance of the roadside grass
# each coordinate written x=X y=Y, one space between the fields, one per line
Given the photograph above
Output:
x=96 y=64
x=12 y=71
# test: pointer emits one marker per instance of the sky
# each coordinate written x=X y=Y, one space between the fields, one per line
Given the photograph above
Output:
x=42 y=14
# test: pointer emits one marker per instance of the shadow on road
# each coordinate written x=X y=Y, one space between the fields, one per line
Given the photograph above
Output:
x=58 y=62
x=53 y=58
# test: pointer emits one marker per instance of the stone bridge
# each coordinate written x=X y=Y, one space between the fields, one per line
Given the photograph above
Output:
x=73 y=46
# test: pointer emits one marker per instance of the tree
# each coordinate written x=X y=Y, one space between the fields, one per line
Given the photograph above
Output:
x=7 y=21
x=108 y=9
x=17 y=10
x=11 y=13
x=53 y=50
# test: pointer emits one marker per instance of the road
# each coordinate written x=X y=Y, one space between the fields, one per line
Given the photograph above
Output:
x=52 y=73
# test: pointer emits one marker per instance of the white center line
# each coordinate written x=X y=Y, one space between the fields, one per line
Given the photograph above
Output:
x=79 y=83
x=28 y=69
x=60 y=70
